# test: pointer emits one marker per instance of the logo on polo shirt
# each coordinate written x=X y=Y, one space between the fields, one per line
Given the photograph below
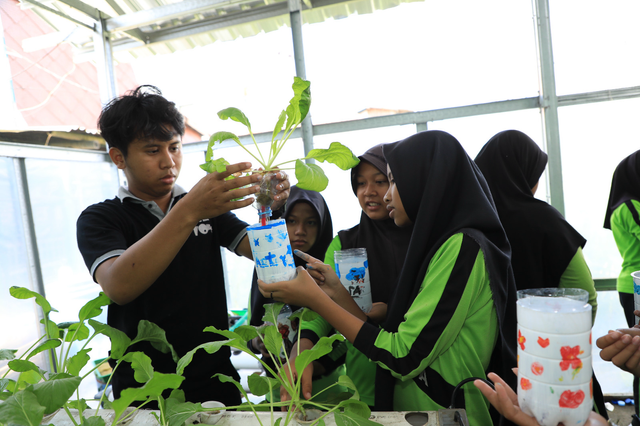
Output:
x=203 y=227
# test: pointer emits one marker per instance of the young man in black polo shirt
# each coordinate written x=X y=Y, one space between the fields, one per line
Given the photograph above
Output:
x=155 y=249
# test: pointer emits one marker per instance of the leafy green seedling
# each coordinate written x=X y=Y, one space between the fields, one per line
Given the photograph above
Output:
x=35 y=393
x=309 y=176
x=347 y=410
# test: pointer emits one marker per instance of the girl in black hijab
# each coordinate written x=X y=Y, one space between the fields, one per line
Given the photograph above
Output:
x=386 y=246
x=452 y=315
x=623 y=219
x=324 y=235
x=546 y=251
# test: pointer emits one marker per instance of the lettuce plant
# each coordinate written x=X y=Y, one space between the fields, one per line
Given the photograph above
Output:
x=348 y=410
x=35 y=393
x=309 y=176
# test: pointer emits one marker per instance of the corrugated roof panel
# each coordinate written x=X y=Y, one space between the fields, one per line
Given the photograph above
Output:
x=179 y=33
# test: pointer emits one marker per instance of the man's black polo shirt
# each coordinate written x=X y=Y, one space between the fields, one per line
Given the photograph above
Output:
x=186 y=298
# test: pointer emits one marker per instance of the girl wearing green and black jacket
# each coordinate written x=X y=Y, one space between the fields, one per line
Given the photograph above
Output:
x=452 y=315
x=623 y=220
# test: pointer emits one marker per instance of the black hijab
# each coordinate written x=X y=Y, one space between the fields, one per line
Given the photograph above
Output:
x=542 y=241
x=444 y=193
x=386 y=243
x=625 y=185
x=323 y=239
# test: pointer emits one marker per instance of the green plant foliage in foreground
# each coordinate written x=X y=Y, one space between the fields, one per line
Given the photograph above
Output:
x=309 y=176
x=37 y=393
x=348 y=410
x=32 y=393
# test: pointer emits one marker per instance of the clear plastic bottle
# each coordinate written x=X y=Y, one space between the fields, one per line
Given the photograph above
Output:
x=352 y=268
x=264 y=198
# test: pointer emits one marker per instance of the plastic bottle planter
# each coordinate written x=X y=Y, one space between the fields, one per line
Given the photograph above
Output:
x=271 y=251
x=554 y=355
x=352 y=268
x=636 y=291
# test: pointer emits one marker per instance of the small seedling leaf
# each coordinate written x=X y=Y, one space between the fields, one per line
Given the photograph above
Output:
x=7 y=354
x=77 y=362
x=25 y=293
x=119 y=340
x=141 y=364
x=236 y=115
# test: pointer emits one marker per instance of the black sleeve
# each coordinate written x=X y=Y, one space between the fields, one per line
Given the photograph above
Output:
x=228 y=226
x=99 y=231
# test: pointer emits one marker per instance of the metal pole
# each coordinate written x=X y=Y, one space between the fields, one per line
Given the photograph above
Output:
x=31 y=243
x=104 y=61
x=295 y=15
x=549 y=102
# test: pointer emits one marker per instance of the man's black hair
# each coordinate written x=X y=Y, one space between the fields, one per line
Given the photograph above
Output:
x=142 y=113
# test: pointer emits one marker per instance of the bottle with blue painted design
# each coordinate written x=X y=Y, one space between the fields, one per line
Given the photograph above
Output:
x=271 y=251
x=352 y=268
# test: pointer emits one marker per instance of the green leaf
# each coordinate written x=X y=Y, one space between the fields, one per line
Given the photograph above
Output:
x=246 y=332
x=77 y=362
x=178 y=412
x=53 y=330
x=178 y=395
x=348 y=383
x=310 y=177
x=320 y=349
x=52 y=394
x=46 y=345
x=77 y=331
x=21 y=366
x=219 y=165
x=273 y=339
x=31 y=377
x=278 y=128
x=355 y=407
x=4 y=384
x=305 y=314
x=218 y=137
x=22 y=409
x=350 y=419
x=226 y=379
x=141 y=364
x=260 y=385
x=271 y=312
x=236 y=115
x=119 y=340
x=302 y=90
x=337 y=154
x=210 y=347
x=94 y=421
x=7 y=354
x=78 y=404
x=93 y=307
x=150 y=332
x=152 y=389
x=24 y=293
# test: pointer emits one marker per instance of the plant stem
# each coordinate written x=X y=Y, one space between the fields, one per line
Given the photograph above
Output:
x=70 y=415
x=251 y=154
x=25 y=353
x=256 y=145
